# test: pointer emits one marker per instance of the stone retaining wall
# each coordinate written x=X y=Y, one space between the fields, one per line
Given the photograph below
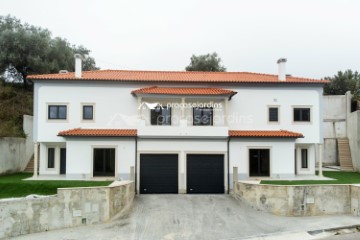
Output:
x=69 y=208
x=17 y=152
x=300 y=200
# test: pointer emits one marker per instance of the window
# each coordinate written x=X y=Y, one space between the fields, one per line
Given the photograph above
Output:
x=203 y=116
x=88 y=112
x=273 y=114
x=104 y=162
x=304 y=158
x=259 y=162
x=161 y=116
x=57 y=112
x=51 y=157
x=301 y=114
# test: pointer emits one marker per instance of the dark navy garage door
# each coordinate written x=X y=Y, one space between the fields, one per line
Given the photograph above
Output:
x=159 y=173
x=205 y=173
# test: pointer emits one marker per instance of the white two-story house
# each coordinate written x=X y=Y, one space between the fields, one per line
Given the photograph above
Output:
x=183 y=132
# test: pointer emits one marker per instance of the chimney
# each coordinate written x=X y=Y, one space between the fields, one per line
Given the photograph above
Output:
x=78 y=65
x=282 y=69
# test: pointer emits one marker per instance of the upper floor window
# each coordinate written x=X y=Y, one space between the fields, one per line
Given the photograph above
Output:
x=301 y=114
x=273 y=114
x=161 y=116
x=88 y=112
x=57 y=112
x=203 y=116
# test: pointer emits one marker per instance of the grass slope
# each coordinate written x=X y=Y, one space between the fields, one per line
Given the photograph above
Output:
x=14 y=186
x=15 y=101
x=341 y=178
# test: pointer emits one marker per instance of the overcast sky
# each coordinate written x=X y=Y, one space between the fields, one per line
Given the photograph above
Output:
x=318 y=37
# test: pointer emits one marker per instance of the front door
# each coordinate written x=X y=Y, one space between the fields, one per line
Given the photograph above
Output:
x=62 y=160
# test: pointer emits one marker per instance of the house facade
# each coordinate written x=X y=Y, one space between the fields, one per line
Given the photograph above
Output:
x=183 y=132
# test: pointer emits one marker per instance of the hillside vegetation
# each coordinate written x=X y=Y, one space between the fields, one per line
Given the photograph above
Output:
x=15 y=101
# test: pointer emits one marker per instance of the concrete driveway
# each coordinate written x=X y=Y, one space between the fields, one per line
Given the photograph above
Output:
x=194 y=217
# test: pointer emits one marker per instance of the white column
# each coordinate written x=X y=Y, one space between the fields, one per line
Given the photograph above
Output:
x=320 y=160
x=235 y=175
x=132 y=173
x=36 y=160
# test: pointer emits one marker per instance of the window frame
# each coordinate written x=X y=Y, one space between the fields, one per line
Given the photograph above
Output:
x=302 y=150
x=83 y=105
x=269 y=148
x=153 y=110
x=211 y=120
x=278 y=114
x=53 y=155
x=302 y=108
x=57 y=112
x=52 y=104
x=95 y=147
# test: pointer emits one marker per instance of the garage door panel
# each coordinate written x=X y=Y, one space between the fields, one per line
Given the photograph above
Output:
x=158 y=173
x=205 y=173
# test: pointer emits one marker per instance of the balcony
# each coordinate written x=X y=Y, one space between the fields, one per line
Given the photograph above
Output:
x=179 y=106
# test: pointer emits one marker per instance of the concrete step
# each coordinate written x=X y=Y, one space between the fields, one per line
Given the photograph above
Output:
x=30 y=166
x=345 y=154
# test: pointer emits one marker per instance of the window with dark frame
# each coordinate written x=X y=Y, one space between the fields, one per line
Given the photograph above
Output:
x=259 y=162
x=273 y=114
x=160 y=116
x=88 y=112
x=104 y=162
x=304 y=158
x=51 y=157
x=203 y=116
x=301 y=114
x=57 y=112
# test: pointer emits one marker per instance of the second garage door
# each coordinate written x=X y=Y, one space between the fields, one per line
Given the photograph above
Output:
x=159 y=173
x=205 y=173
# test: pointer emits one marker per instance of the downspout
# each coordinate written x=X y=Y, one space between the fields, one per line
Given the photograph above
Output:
x=228 y=165
x=135 y=180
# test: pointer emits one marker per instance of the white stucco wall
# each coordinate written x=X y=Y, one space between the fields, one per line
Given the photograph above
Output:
x=115 y=107
x=79 y=157
x=249 y=108
x=281 y=156
x=354 y=138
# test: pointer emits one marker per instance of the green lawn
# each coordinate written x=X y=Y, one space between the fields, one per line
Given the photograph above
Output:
x=14 y=186
x=341 y=178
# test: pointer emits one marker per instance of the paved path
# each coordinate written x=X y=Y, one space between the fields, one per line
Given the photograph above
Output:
x=172 y=217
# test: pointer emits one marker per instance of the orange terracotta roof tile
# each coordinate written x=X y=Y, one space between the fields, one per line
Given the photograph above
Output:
x=183 y=91
x=81 y=132
x=264 y=133
x=174 y=76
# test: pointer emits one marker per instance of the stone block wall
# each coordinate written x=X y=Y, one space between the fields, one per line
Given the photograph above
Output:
x=299 y=200
x=69 y=208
